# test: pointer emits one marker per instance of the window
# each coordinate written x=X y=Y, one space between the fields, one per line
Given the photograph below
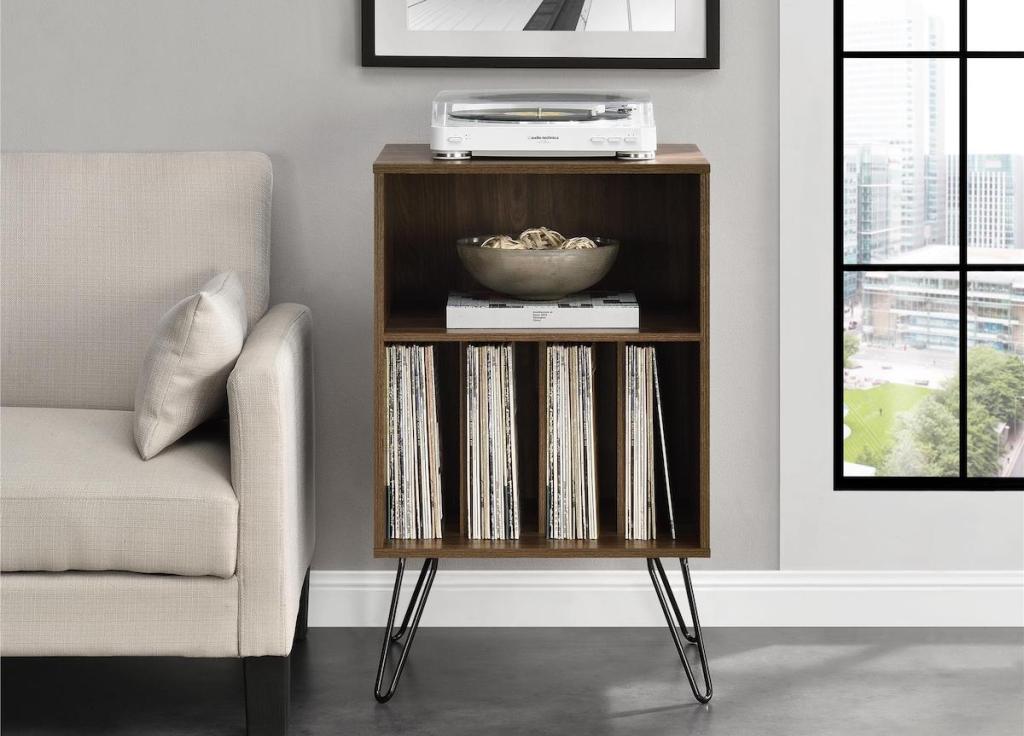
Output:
x=929 y=245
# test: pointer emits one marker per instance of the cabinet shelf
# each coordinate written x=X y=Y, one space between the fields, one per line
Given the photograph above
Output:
x=414 y=158
x=424 y=325
x=535 y=544
x=659 y=211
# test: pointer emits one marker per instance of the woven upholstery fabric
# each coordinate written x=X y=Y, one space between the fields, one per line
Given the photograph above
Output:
x=184 y=377
x=270 y=399
x=75 y=495
x=98 y=246
x=113 y=614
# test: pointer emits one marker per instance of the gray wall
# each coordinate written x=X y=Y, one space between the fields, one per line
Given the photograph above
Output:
x=284 y=78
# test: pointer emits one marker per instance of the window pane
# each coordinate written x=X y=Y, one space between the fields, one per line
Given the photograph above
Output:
x=995 y=374
x=900 y=390
x=907 y=25
x=995 y=177
x=900 y=119
x=995 y=25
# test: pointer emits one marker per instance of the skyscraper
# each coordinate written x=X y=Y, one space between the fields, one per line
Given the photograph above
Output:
x=873 y=224
x=995 y=201
x=898 y=103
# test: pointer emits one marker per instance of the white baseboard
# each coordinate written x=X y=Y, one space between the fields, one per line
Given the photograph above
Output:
x=625 y=598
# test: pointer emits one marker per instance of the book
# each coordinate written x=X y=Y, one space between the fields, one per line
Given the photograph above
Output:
x=413 y=507
x=587 y=311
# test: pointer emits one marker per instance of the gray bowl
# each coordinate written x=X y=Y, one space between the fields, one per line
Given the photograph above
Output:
x=537 y=274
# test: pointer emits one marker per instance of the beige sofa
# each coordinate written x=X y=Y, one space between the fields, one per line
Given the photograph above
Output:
x=204 y=550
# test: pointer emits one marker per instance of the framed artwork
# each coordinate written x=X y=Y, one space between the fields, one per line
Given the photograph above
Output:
x=608 y=34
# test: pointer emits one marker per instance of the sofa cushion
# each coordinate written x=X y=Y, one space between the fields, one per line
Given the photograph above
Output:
x=184 y=377
x=75 y=495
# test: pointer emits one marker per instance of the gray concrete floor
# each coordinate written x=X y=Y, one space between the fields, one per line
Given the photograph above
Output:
x=559 y=681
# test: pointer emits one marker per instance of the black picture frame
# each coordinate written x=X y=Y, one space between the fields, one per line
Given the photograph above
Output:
x=370 y=57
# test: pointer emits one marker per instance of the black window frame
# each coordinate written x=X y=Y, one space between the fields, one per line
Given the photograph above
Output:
x=963 y=55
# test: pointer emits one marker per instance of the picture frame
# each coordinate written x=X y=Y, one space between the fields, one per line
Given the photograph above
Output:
x=394 y=36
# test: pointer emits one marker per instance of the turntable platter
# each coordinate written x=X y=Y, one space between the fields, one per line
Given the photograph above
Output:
x=537 y=114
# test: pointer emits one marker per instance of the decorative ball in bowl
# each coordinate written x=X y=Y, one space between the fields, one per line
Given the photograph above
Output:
x=540 y=264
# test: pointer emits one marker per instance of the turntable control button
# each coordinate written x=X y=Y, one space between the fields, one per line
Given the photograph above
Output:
x=597 y=139
x=630 y=139
x=614 y=139
x=455 y=139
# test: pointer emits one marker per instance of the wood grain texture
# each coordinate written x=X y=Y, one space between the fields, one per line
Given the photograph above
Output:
x=655 y=218
x=620 y=438
x=533 y=544
x=659 y=210
x=542 y=437
x=380 y=316
x=705 y=359
x=415 y=158
x=428 y=325
x=463 y=458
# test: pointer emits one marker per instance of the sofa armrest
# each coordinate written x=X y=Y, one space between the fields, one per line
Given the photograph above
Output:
x=270 y=402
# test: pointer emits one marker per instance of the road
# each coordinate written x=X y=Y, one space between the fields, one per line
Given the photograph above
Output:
x=1018 y=465
x=912 y=367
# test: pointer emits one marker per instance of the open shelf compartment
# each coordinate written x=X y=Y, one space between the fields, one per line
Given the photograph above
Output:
x=655 y=217
x=679 y=366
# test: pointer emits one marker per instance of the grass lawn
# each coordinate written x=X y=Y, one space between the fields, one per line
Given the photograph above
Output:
x=872 y=416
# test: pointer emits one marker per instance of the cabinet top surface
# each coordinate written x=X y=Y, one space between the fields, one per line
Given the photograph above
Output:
x=415 y=158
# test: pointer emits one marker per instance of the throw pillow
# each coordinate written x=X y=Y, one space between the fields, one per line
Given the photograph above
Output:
x=183 y=380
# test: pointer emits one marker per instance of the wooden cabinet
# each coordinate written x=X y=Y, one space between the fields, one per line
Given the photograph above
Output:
x=659 y=211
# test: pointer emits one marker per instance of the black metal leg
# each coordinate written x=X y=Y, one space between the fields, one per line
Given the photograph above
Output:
x=415 y=610
x=302 y=620
x=672 y=600
x=673 y=617
x=415 y=594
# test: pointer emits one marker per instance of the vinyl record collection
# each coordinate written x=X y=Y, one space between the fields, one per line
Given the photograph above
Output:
x=492 y=487
x=413 y=444
x=645 y=437
x=571 y=445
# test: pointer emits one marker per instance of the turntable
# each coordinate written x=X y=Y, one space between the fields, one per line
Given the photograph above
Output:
x=557 y=124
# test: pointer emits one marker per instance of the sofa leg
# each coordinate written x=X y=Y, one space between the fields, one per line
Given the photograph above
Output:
x=302 y=622
x=267 y=692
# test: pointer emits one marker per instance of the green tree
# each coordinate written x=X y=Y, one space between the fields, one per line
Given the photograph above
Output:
x=937 y=436
x=871 y=457
x=982 y=443
x=905 y=457
x=927 y=441
x=851 y=344
x=995 y=381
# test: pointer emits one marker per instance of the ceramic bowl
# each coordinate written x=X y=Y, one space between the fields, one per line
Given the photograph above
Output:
x=537 y=274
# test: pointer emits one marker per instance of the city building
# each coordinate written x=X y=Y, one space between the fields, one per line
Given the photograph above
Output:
x=898 y=104
x=995 y=201
x=872 y=203
x=851 y=175
x=921 y=309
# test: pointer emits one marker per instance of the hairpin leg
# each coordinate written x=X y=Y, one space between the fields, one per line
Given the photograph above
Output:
x=414 y=611
x=415 y=595
x=673 y=616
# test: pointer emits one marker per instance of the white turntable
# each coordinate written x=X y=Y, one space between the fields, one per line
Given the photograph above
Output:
x=534 y=123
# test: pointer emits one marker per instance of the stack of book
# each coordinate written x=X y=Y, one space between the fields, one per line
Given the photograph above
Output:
x=413 y=444
x=571 y=446
x=492 y=487
x=645 y=436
